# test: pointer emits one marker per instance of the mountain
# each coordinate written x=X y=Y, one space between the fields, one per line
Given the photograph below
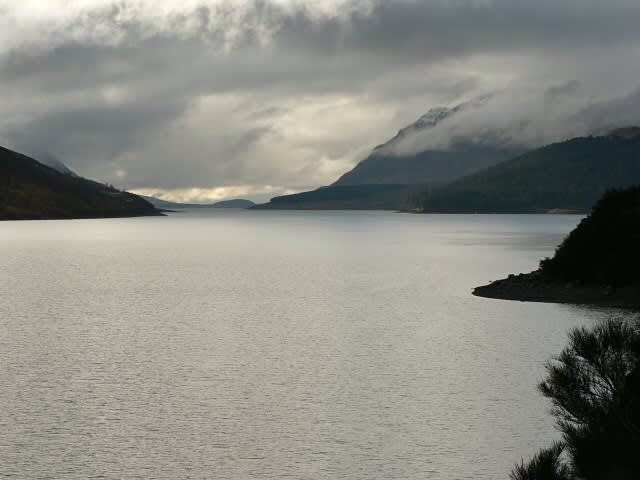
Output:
x=360 y=187
x=598 y=262
x=31 y=190
x=428 y=167
x=431 y=167
x=566 y=176
x=166 y=205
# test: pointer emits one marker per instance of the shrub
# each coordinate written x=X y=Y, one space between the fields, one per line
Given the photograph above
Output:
x=594 y=386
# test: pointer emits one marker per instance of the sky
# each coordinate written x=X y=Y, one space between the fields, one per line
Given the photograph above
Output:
x=202 y=100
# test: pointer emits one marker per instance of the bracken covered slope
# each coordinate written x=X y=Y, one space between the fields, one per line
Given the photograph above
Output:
x=30 y=190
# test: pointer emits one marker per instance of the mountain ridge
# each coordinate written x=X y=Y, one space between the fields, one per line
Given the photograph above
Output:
x=570 y=175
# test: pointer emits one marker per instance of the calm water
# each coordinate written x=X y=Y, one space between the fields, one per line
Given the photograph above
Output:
x=275 y=345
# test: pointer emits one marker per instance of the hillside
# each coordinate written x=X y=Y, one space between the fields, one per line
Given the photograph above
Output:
x=428 y=167
x=31 y=190
x=358 y=188
x=565 y=176
x=598 y=263
x=604 y=247
x=342 y=197
x=431 y=167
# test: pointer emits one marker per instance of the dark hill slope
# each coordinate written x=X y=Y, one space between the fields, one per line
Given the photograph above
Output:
x=31 y=190
x=570 y=175
x=598 y=263
x=605 y=247
x=343 y=197
x=430 y=167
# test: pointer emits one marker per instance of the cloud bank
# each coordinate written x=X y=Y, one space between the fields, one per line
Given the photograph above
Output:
x=197 y=100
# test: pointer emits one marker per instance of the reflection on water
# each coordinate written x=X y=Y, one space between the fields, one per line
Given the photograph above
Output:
x=325 y=345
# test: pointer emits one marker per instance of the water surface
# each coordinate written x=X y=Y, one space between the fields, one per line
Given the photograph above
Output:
x=304 y=345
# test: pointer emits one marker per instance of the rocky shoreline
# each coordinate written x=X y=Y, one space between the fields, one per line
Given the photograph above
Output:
x=537 y=287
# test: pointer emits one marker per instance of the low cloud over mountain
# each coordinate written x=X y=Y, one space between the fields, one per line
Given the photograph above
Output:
x=266 y=97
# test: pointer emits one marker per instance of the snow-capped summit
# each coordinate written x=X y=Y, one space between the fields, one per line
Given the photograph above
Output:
x=434 y=116
x=427 y=121
x=430 y=166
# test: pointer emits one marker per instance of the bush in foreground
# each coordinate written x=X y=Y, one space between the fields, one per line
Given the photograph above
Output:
x=546 y=464
x=594 y=386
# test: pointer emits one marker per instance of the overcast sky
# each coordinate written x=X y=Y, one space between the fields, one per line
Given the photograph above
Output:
x=207 y=99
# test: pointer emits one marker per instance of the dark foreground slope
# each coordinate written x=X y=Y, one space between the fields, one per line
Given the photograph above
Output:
x=31 y=190
x=566 y=176
x=598 y=263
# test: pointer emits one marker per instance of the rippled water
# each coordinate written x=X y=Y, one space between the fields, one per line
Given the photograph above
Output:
x=238 y=344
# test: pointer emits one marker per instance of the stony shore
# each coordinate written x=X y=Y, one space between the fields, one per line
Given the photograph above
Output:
x=535 y=287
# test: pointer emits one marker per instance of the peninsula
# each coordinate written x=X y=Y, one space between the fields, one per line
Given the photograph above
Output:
x=596 y=264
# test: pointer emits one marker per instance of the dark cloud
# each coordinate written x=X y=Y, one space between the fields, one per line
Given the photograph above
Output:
x=601 y=117
x=265 y=95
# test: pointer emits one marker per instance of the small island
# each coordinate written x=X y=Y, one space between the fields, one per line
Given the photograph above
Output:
x=597 y=264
